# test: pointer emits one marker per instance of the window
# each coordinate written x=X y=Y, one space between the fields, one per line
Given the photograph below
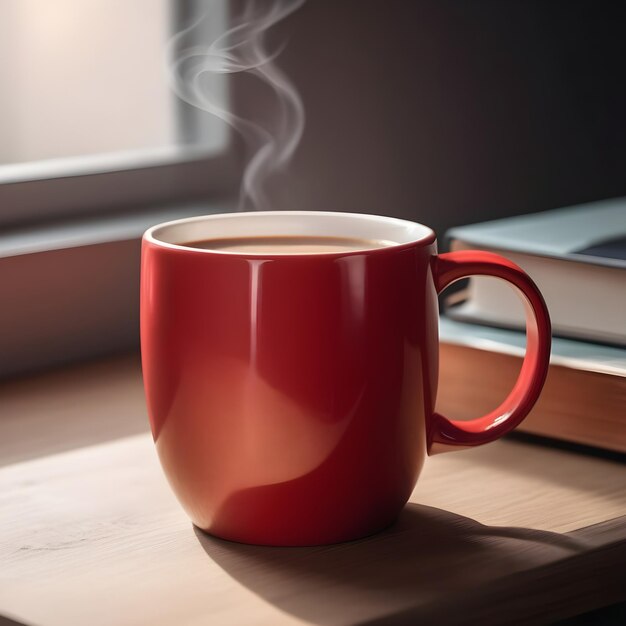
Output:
x=87 y=111
x=94 y=148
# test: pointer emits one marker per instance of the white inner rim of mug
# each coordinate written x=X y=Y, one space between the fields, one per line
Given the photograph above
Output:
x=287 y=223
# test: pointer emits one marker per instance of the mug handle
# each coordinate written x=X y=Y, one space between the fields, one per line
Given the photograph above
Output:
x=446 y=434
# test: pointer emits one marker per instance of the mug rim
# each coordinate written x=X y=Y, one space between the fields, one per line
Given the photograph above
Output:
x=427 y=236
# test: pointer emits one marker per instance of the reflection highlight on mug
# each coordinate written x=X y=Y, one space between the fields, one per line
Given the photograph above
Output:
x=268 y=439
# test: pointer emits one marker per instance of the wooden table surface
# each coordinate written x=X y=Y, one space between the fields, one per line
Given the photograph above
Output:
x=90 y=533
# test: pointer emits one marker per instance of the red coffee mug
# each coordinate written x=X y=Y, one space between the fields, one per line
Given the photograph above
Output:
x=291 y=396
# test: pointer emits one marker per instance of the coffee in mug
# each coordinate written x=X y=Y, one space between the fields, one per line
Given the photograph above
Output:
x=285 y=244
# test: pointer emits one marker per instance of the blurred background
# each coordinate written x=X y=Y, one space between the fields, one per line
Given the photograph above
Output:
x=443 y=112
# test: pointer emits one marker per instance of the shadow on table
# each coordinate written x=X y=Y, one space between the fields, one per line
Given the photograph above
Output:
x=71 y=407
x=410 y=571
x=7 y=621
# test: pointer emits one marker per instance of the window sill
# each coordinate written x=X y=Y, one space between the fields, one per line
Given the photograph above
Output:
x=70 y=290
x=90 y=231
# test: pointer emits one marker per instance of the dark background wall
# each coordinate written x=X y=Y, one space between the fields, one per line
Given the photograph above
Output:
x=439 y=111
x=453 y=112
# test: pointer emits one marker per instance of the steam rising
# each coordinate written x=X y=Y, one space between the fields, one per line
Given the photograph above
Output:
x=242 y=49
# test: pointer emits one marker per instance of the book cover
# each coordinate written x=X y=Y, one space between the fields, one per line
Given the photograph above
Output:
x=577 y=257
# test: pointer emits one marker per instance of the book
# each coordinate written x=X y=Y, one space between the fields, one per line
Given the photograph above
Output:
x=583 y=400
x=577 y=257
